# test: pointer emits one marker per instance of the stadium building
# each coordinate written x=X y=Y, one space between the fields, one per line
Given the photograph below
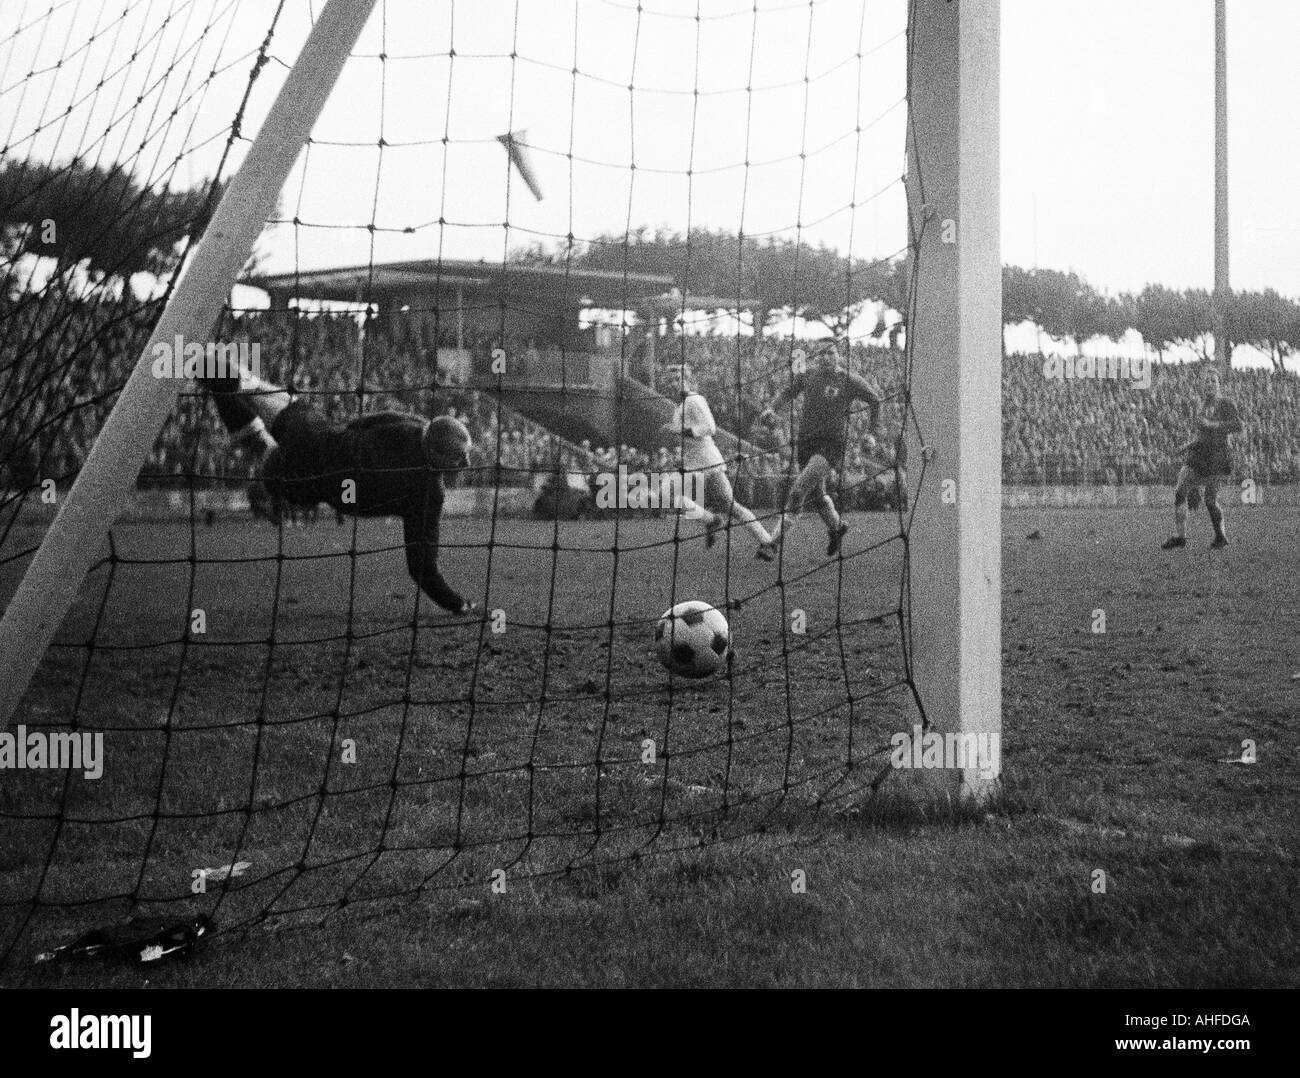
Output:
x=572 y=349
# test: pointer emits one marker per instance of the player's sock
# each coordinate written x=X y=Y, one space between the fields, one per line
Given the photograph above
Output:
x=254 y=437
x=1217 y=520
x=783 y=524
x=834 y=540
x=711 y=528
x=696 y=511
x=835 y=528
x=265 y=399
x=751 y=524
x=826 y=510
x=712 y=522
x=246 y=404
x=1179 y=538
x=268 y=399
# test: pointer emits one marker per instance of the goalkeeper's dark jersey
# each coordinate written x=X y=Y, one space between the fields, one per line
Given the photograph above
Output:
x=382 y=454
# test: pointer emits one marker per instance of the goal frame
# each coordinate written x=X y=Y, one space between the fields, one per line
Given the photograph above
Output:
x=953 y=602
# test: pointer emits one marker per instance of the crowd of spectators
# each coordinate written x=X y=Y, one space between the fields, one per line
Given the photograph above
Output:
x=61 y=366
x=1111 y=431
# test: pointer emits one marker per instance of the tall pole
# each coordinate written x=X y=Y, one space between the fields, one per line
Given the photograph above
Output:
x=1222 y=288
x=104 y=484
x=954 y=337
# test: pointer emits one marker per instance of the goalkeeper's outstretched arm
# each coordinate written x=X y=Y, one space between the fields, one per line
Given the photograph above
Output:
x=420 y=531
x=442 y=449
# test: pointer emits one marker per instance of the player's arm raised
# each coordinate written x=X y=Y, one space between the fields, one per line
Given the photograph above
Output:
x=784 y=398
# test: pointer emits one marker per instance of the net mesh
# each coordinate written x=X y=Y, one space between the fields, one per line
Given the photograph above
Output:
x=289 y=727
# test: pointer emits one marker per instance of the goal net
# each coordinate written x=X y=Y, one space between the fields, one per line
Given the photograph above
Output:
x=549 y=221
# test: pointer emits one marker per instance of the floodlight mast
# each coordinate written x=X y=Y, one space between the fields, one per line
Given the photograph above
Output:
x=103 y=487
x=1222 y=280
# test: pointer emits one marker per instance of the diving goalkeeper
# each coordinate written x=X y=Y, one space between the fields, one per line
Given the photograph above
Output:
x=382 y=464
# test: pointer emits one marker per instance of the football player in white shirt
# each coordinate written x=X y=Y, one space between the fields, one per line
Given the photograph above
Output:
x=704 y=468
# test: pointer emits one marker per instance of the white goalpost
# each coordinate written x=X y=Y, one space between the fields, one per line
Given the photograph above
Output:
x=102 y=488
x=954 y=340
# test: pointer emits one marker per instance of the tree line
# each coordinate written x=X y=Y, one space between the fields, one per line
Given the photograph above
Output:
x=103 y=220
x=778 y=277
x=97 y=218
x=1066 y=307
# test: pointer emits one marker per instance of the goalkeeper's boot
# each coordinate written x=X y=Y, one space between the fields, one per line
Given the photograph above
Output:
x=834 y=540
x=1220 y=541
x=1173 y=543
x=766 y=552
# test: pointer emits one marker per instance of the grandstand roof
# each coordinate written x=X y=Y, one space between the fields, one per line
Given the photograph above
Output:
x=582 y=287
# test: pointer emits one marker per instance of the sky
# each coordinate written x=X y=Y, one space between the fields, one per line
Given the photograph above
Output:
x=1106 y=123
x=1108 y=140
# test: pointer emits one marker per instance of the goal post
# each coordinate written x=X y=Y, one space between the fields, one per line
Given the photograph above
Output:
x=102 y=487
x=954 y=343
x=219 y=646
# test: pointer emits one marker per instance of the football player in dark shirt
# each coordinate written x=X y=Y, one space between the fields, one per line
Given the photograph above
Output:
x=381 y=464
x=1208 y=464
x=828 y=392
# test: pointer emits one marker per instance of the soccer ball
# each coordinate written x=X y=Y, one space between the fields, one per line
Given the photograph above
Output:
x=693 y=639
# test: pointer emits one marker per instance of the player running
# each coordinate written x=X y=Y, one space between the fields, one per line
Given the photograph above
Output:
x=829 y=391
x=382 y=464
x=1209 y=462
x=693 y=423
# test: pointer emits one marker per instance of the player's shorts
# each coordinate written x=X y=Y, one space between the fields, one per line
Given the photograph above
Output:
x=1192 y=482
x=300 y=424
x=832 y=449
x=705 y=465
x=309 y=459
x=717 y=487
x=1210 y=462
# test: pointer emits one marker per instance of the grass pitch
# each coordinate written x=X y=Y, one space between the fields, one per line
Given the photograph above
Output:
x=522 y=750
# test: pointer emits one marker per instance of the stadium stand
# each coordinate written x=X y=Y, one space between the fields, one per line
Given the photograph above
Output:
x=1071 y=432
